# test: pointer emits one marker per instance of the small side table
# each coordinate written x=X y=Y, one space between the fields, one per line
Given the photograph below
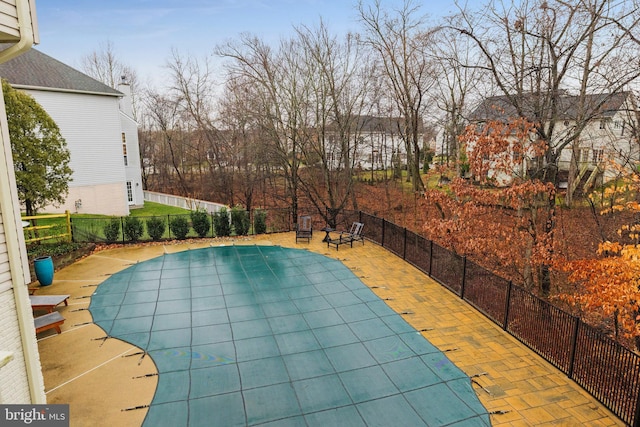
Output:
x=327 y=230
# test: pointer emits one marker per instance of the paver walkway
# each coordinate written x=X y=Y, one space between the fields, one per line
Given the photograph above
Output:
x=104 y=380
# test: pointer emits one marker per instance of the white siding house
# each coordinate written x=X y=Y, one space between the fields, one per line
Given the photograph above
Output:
x=20 y=372
x=608 y=136
x=378 y=143
x=106 y=172
x=130 y=148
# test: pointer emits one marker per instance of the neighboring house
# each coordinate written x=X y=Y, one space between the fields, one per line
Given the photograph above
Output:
x=609 y=135
x=379 y=142
x=20 y=370
x=97 y=123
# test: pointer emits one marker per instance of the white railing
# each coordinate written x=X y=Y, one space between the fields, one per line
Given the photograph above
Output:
x=182 y=202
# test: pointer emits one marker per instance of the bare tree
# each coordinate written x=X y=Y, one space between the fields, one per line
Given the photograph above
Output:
x=245 y=149
x=103 y=65
x=400 y=39
x=192 y=84
x=337 y=96
x=165 y=123
x=275 y=81
x=456 y=85
x=537 y=52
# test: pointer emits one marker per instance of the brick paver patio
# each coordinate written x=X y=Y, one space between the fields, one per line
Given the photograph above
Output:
x=104 y=380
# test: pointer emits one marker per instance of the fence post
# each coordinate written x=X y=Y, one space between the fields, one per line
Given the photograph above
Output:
x=69 y=239
x=464 y=276
x=636 y=417
x=382 y=242
x=507 y=305
x=404 y=249
x=213 y=234
x=430 y=256
x=574 y=345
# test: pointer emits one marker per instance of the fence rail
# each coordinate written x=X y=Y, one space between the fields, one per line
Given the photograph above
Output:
x=604 y=368
x=39 y=233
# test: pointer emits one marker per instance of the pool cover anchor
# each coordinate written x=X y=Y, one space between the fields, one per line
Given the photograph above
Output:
x=155 y=374
x=103 y=339
x=83 y=324
x=143 y=353
x=135 y=408
x=473 y=380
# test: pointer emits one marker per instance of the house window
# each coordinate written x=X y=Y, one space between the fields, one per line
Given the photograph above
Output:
x=617 y=124
x=124 y=149
x=603 y=124
x=584 y=155
x=598 y=155
x=129 y=192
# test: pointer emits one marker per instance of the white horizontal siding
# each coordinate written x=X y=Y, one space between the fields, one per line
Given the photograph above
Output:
x=14 y=386
x=106 y=199
x=9 y=29
x=90 y=124
x=5 y=275
x=133 y=170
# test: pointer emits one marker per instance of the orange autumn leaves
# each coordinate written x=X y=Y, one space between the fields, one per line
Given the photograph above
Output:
x=609 y=285
x=508 y=224
x=501 y=226
x=498 y=151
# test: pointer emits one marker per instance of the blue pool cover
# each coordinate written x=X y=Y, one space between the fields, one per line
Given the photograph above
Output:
x=265 y=335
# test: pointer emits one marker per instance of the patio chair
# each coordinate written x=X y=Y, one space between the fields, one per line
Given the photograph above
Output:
x=353 y=235
x=304 y=228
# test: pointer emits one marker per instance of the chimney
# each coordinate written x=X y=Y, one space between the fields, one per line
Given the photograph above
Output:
x=125 y=102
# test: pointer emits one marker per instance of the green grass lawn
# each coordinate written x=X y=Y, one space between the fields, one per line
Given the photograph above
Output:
x=55 y=246
x=156 y=209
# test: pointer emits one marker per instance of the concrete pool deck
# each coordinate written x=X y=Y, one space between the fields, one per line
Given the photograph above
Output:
x=104 y=380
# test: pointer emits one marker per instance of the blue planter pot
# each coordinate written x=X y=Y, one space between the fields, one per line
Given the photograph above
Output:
x=43 y=267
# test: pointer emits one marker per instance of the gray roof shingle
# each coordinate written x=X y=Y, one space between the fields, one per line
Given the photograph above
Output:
x=35 y=69
x=500 y=107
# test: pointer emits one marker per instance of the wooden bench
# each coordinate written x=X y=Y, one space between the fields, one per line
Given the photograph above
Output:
x=48 y=321
x=47 y=302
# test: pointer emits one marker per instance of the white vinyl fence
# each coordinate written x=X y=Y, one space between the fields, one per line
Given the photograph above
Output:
x=182 y=202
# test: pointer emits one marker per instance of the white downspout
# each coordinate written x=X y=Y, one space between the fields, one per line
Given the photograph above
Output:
x=25 y=26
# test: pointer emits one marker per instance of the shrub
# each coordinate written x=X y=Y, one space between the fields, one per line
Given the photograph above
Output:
x=156 y=227
x=112 y=230
x=133 y=228
x=54 y=249
x=240 y=220
x=179 y=226
x=200 y=222
x=221 y=223
x=259 y=221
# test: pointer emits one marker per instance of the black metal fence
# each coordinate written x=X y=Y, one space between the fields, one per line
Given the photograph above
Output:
x=607 y=370
x=95 y=229
x=604 y=368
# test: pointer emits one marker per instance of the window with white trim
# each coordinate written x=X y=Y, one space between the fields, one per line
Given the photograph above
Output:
x=598 y=155
x=129 y=192
x=124 y=149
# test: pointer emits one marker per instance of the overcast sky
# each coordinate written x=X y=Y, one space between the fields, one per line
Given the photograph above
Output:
x=143 y=32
